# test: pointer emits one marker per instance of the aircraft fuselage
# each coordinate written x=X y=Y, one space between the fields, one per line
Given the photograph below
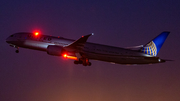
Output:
x=89 y=51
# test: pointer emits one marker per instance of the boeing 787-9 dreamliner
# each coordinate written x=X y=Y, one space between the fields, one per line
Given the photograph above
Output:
x=82 y=51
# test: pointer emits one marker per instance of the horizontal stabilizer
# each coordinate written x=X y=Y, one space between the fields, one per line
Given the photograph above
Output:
x=168 y=60
x=134 y=47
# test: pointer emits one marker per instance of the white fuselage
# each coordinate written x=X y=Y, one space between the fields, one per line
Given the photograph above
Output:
x=91 y=50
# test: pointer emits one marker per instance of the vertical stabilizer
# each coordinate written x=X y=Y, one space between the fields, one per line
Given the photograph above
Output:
x=153 y=47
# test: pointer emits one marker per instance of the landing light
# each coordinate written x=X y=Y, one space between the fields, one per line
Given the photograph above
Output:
x=65 y=55
x=69 y=57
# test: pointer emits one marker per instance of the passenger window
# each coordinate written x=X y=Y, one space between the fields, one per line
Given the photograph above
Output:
x=41 y=38
x=49 y=39
x=29 y=35
x=44 y=38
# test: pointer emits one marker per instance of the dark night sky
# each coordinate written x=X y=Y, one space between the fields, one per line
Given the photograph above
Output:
x=35 y=76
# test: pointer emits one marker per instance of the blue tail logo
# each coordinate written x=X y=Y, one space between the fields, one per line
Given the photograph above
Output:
x=153 y=47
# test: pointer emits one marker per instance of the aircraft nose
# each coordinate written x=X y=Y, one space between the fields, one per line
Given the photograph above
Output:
x=8 y=39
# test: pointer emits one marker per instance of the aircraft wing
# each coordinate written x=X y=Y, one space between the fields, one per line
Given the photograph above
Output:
x=77 y=45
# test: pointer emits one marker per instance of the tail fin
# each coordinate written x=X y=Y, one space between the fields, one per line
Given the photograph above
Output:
x=153 y=47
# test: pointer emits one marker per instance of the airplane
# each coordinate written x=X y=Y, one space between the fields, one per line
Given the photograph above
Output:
x=82 y=51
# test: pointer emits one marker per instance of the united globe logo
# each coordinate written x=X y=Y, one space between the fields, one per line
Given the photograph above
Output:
x=150 y=49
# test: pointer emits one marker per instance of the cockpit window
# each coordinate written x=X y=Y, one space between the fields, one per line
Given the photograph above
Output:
x=12 y=35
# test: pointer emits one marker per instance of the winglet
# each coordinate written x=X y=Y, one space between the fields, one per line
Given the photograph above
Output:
x=78 y=44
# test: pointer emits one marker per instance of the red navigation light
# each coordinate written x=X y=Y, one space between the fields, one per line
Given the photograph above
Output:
x=36 y=33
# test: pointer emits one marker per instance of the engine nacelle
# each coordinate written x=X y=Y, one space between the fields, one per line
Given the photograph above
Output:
x=55 y=50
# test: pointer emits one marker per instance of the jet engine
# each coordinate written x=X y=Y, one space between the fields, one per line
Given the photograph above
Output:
x=55 y=50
